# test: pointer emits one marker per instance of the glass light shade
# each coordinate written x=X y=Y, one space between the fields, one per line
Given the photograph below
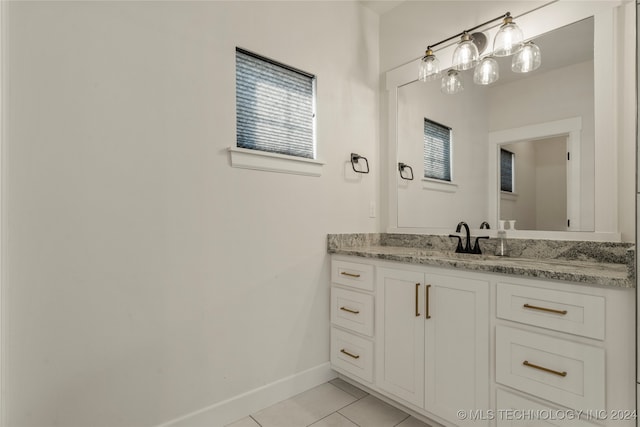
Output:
x=486 y=71
x=508 y=40
x=466 y=54
x=528 y=59
x=451 y=83
x=429 y=67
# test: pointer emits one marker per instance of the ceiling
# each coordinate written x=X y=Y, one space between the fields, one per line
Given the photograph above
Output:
x=381 y=6
x=561 y=47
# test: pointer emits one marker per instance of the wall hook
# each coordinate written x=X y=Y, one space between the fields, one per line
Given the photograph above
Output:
x=355 y=158
x=402 y=167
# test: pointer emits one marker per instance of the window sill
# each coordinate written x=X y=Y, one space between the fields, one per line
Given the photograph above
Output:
x=437 y=185
x=505 y=195
x=273 y=162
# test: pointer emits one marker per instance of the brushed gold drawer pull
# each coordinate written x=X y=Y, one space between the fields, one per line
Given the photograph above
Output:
x=355 y=356
x=426 y=302
x=542 y=368
x=348 y=310
x=550 y=310
x=417 y=291
x=344 y=273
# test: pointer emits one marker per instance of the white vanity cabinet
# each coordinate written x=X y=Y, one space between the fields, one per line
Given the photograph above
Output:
x=563 y=353
x=400 y=321
x=433 y=339
x=500 y=350
x=556 y=368
x=352 y=319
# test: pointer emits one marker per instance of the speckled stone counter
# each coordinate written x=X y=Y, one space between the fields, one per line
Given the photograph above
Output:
x=586 y=262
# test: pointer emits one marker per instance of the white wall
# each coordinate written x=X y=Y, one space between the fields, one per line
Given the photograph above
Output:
x=551 y=195
x=627 y=121
x=144 y=277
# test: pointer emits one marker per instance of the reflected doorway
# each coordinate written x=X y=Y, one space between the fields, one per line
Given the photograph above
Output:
x=534 y=184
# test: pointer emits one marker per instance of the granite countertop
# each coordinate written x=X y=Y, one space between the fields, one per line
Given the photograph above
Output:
x=585 y=262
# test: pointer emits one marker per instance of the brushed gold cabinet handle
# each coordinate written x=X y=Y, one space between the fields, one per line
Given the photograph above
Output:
x=417 y=291
x=426 y=303
x=542 y=368
x=344 y=273
x=550 y=310
x=355 y=356
x=348 y=310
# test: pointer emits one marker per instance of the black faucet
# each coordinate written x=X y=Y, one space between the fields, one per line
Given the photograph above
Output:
x=485 y=224
x=476 y=247
x=467 y=249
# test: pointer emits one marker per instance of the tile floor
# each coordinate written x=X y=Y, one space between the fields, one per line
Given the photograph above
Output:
x=333 y=404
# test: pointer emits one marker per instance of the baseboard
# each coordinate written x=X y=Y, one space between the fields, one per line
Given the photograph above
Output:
x=230 y=410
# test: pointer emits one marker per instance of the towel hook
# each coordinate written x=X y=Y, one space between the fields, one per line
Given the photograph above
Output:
x=402 y=167
x=355 y=158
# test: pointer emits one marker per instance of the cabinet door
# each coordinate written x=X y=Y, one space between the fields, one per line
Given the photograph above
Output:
x=456 y=346
x=400 y=334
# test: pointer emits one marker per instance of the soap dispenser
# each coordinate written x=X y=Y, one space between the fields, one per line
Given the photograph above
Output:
x=501 y=244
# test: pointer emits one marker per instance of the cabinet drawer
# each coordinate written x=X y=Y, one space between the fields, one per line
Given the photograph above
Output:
x=569 y=312
x=352 y=354
x=514 y=410
x=352 y=274
x=568 y=373
x=352 y=310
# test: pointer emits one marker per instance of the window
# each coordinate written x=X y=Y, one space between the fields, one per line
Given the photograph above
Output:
x=437 y=151
x=507 y=160
x=275 y=106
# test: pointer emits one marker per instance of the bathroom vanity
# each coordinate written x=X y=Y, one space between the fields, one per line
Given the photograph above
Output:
x=545 y=337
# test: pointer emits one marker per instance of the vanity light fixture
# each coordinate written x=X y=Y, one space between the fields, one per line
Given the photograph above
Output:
x=508 y=41
x=429 y=67
x=466 y=54
x=486 y=72
x=509 y=38
x=451 y=83
x=528 y=59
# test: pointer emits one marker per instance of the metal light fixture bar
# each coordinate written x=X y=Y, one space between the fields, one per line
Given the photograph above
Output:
x=506 y=15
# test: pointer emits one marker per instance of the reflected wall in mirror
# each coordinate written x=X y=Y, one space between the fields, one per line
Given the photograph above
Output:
x=425 y=202
x=562 y=88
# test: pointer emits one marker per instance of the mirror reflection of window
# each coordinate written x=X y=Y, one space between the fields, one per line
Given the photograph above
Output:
x=437 y=151
x=507 y=161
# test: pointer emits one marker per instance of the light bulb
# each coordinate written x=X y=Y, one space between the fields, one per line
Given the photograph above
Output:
x=451 y=83
x=509 y=38
x=466 y=54
x=528 y=59
x=429 y=67
x=486 y=71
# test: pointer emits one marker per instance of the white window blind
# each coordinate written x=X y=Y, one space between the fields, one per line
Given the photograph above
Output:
x=275 y=106
x=437 y=151
x=506 y=170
